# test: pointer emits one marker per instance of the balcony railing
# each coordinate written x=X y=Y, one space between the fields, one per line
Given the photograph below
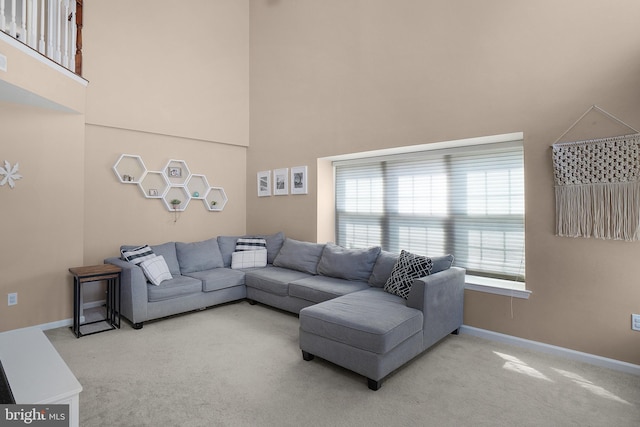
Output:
x=52 y=27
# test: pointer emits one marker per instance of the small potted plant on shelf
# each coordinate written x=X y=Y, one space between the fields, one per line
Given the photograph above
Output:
x=175 y=203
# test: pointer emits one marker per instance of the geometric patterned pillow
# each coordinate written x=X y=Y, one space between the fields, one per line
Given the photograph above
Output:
x=408 y=268
x=156 y=270
x=250 y=244
x=137 y=255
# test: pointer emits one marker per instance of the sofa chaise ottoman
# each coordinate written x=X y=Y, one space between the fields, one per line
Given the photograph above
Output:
x=373 y=332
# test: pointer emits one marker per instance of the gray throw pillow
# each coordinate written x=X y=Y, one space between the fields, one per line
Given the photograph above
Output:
x=300 y=256
x=441 y=263
x=349 y=264
x=199 y=256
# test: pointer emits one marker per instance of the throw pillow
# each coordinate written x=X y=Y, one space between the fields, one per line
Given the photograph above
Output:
x=137 y=255
x=156 y=270
x=251 y=244
x=349 y=264
x=408 y=268
x=249 y=259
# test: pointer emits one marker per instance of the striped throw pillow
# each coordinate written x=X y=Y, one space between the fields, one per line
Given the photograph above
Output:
x=137 y=255
x=250 y=244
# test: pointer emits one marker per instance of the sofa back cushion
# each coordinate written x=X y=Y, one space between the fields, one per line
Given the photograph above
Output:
x=382 y=269
x=300 y=256
x=199 y=256
x=349 y=264
x=168 y=251
x=386 y=260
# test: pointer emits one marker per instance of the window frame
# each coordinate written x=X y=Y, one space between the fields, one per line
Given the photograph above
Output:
x=507 y=285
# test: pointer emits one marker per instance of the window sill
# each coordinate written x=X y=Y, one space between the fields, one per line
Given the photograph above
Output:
x=497 y=286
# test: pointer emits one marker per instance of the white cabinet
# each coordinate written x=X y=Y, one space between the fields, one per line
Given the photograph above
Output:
x=36 y=373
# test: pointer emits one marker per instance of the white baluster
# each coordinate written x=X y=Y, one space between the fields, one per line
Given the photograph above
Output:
x=41 y=43
x=32 y=23
x=12 y=24
x=65 y=39
x=74 y=34
x=51 y=26
x=2 y=19
x=58 y=18
x=23 y=24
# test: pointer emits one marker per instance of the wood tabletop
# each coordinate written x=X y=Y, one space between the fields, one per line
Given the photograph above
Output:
x=95 y=270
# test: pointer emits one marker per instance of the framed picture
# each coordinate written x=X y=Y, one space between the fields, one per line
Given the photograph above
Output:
x=299 y=180
x=264 y=183
x=281 y=182
x=175 y=172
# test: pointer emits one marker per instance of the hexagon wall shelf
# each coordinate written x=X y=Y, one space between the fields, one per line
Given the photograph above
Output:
x=154 y=185
x=175 y=181
x=130 y=169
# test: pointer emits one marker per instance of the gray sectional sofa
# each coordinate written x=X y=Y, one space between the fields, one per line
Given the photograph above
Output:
x=346 y=315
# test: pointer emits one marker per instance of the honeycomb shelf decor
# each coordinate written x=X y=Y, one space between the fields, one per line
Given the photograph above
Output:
x=130 y=169
x=198 y=186
x=177 y=172
x=154 y=185
x=216 y=199
x=174 y=182
x=176 y=193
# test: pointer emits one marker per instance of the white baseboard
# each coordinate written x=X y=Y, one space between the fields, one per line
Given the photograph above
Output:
x=68 y=322
x=604 y=362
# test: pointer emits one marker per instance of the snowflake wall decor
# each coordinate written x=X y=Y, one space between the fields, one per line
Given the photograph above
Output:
x=10 y=174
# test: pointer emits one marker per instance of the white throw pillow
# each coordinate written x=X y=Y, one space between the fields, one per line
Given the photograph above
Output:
x=249 y=259
x=156 y=270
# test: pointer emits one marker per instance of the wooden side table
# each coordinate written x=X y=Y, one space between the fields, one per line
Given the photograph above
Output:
x=93 y=273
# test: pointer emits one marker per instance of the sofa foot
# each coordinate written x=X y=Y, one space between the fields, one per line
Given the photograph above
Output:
x=252 y=302
x=307 y=356
x=137 y=325
x=374 y=385
x=456 y=332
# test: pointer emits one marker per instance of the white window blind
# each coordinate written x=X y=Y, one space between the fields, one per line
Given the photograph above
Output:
x=467 y=201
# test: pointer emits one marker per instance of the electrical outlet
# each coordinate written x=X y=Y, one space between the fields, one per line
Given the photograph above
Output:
x=12 y=299
x=635 y=322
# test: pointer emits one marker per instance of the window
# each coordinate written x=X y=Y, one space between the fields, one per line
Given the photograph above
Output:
x=467 y=201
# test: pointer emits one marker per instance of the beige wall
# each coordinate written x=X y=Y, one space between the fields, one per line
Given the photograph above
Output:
x=338 y=76
x=167 y=81
x=41 y=219
x=172 y=68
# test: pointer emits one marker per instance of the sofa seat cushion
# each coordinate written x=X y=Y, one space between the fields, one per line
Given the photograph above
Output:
x=371 y=320
x=274 y=280
x=322 y=288
x=218 y=278
x=179 y=286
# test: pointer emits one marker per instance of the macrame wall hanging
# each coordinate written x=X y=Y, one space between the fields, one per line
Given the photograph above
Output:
x=597 y=185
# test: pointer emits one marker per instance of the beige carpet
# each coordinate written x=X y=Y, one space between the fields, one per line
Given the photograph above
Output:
x=239 y=365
